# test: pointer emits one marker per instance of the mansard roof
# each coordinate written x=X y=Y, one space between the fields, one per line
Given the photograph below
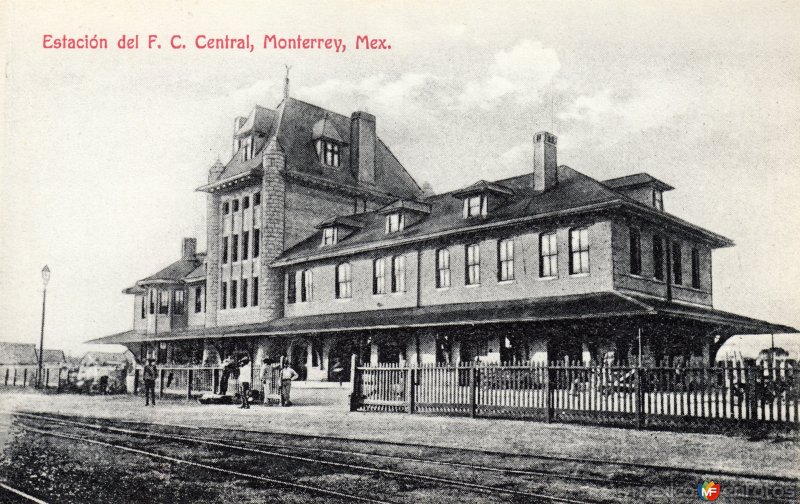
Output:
x=295 y=134
x=575 y=193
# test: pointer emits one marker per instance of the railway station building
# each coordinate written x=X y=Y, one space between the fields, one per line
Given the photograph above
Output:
x=320 y=245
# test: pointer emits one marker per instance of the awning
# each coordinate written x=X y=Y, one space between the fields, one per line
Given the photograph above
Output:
x=555 y=309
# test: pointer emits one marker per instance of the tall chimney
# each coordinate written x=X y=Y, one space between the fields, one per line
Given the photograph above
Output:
x=545 y=162
x=362 y=146
x=188 y=248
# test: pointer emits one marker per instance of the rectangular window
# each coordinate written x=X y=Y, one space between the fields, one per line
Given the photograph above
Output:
x=144 y=307
x=178 y=302
x=328 y=152
x=472 y=275
x=226 y=208
x=255 y=291
x=291 y=287
x=256 y=199
x=330 y=235
x=578 y=251
x=395 y=222
x=152 y=304
x=223 y=292
x=379 y=276
x=399 y=274
x=442 y=268
x=163 y=302
x=505 y=260
x=234 y=293
x=224 y=250
x=246 y=203
x=476 y=206
x=234 y=248
x=695 y=268
x=306 y=285
x=198 y=299
x=245 y=244
x=677 y=273
x=343 y=281
x=245 y=293
x=235 y=205
x=658 y=199
x=658 y=257
x=635 y=248
x=548 y=255
x=256 y=242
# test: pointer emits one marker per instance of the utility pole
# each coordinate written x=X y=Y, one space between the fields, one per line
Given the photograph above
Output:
x=45 y=279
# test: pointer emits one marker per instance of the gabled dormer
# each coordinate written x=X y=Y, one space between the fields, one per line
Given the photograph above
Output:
x=641 y=187
x=337 y=228
x=482 y=197
x=402 y=214
x=328 y=143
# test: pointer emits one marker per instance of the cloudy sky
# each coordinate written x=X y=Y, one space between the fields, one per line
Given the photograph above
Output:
x=102 y=150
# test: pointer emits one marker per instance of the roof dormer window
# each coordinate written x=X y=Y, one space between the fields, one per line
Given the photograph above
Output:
x=395 y=222
x=476 y=206
x=330 y=235
x=658 y=199
x=328 y=152
x=247 y=149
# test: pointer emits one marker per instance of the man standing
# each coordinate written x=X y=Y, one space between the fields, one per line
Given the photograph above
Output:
x=287 y=375
x=245 y=375
x=149 y=375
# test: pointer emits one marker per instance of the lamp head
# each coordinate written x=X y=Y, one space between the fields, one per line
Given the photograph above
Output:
x=45 y=274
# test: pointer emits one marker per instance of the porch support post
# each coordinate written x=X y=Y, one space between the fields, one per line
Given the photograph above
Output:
x=473 y=402
x=355 y=388
x=161 y=383
x=189 y=384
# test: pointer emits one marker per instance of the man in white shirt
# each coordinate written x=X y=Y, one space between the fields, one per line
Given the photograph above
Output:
x=245 y=375
x=287 y=375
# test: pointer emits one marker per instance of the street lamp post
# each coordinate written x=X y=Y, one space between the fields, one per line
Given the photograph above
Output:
x=45 y=279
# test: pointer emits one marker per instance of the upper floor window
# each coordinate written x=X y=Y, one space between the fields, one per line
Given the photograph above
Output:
x=144 y=305
x=473 y=265
x=291 y=287
x=695 y=268
x=505 y=260
x=379 y=276
x=152 y=304
x=247 y=149
x=395 y=222
x=399 y=274
x=256 y=242
x=163 y=302
x=223 y=294
x=344 y=281
x=635 y=248
x=234 y=248
x=224 y=249
x=442 y=268
x=475 y=206
x=548 y=255
x=578 y=251
x=234 y=293
x=677 y=269
x=198 y=299
x=658 y=257
x=255 y=291
x=256 y=199
x=245 y=293
x=178 y=302
x=246 y=202
x=658 y=199
x=235 y=205
x=306 y=285
x=330 y=235
x=226 y=208
x=245 y=244
x=327 y=152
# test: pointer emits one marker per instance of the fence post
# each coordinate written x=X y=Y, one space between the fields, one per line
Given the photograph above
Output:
x=189 y=384
x=136 y=381
x=161 y=383
x=548 y=393
x=473 y=379
x=15 y=377
x=58 y=385
x=637 y=404
x=355 y=389
x=411 y=399
x=25 y=377
x=215 y=380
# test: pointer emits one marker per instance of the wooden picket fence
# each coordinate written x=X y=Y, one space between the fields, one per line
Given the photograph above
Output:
x=727 y=396
x=25 y=376
x=194 y=381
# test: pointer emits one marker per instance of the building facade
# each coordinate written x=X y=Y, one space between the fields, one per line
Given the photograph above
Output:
x=321 y=245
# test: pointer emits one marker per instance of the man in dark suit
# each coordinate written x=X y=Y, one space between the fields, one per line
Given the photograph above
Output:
x=149 y=375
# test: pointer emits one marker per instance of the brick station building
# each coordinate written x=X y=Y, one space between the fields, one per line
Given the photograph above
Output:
x=321 y=245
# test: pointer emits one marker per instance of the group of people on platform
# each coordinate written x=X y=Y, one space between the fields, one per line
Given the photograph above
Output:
x=238 y=368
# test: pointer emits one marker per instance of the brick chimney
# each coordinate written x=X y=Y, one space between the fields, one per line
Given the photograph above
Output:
x=545 y=162
x=363 y=142
x=188 y=248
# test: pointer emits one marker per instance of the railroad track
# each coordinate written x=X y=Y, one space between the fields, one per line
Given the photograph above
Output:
x=172 y=438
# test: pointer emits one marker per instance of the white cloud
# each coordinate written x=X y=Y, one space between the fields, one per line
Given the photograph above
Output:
x=523 y=71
